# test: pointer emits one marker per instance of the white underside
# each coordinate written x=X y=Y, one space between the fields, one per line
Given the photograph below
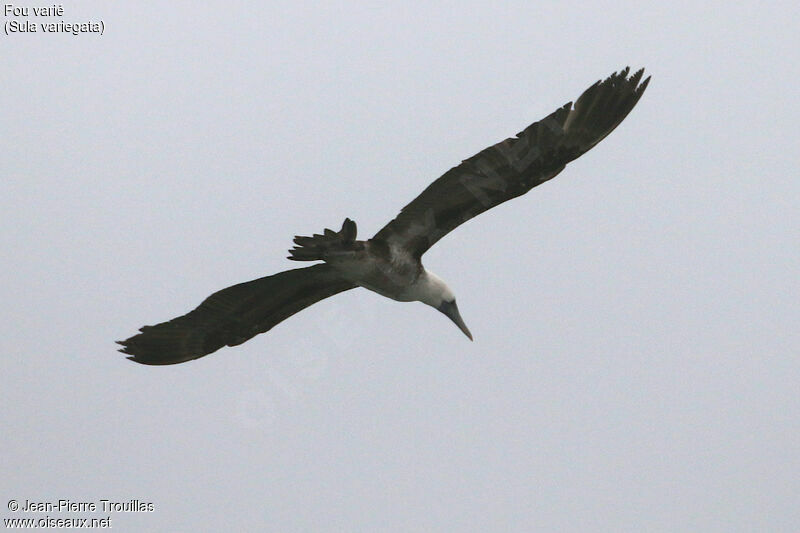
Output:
x=396 y=280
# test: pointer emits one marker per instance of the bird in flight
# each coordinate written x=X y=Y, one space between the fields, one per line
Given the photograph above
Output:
x=390 y=262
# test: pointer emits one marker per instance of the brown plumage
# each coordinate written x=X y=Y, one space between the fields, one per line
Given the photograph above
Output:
x=514 y=166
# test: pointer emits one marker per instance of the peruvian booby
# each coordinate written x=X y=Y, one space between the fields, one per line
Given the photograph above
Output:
x=390 y=262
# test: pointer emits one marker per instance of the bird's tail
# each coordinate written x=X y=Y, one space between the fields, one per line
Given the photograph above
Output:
x=317 y=247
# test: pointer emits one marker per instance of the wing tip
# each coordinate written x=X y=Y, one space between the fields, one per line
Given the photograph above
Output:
x=642 y=86
x=146 y=362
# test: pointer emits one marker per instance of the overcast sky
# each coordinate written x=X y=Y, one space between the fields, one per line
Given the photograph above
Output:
x=635 y=364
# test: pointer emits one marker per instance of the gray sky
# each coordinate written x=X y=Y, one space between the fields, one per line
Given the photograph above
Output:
x=635 y=364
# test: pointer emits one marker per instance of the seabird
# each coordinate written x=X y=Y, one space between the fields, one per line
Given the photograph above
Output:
x=390 y=262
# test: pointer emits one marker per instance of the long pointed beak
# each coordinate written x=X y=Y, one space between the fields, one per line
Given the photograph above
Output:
x=451 y=310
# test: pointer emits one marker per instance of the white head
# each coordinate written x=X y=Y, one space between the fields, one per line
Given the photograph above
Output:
x=432 y=290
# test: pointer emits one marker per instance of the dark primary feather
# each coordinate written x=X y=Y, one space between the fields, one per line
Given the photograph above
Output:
x=233 y=315
x=514 y=166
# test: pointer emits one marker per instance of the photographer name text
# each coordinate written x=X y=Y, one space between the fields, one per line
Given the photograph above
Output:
x=71 y=506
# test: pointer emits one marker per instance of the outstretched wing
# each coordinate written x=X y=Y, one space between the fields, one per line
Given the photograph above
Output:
x=514 y=166
x=234 y=315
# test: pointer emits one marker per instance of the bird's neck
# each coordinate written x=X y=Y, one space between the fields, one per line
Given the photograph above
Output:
x=431 y=289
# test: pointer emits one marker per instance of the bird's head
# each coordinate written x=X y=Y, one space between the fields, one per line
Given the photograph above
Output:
x=438 y=295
